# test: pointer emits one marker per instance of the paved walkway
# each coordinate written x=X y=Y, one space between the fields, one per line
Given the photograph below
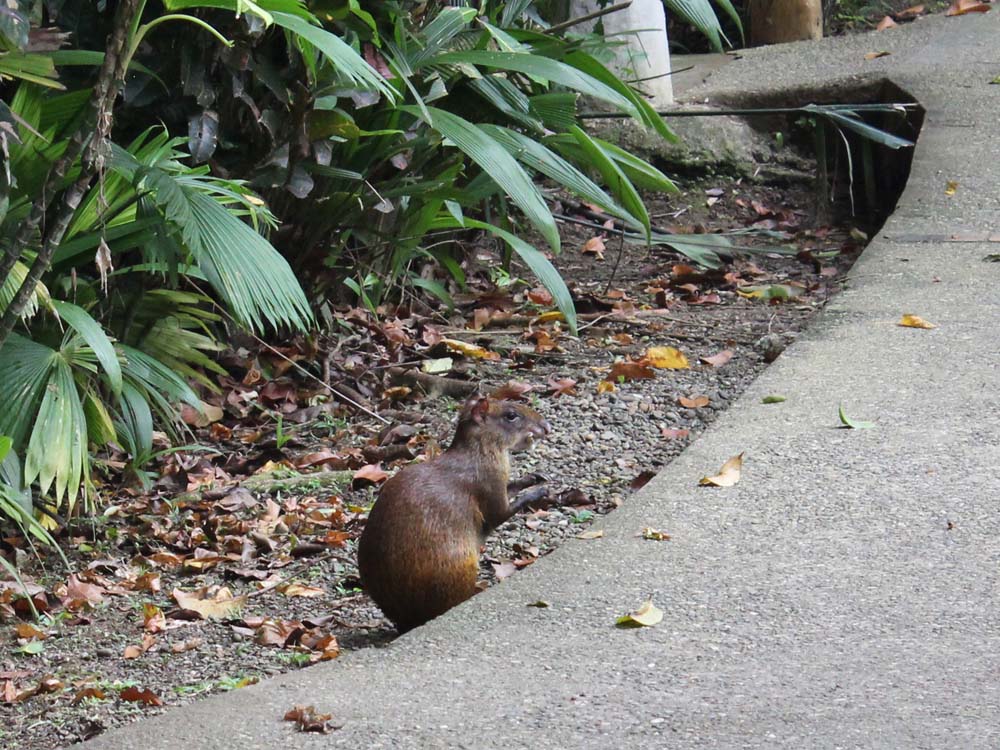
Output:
x=843 y=595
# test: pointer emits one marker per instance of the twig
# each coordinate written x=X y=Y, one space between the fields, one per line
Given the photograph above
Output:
x=328 y=555
x=588 y=17
x=109 y=80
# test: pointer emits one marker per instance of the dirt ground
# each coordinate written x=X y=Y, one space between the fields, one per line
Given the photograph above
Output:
x=211 y=581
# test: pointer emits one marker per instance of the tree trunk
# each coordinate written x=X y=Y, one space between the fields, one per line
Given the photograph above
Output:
x=776 y=21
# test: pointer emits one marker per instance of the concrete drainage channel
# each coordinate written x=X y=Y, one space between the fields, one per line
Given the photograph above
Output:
x=841 y=595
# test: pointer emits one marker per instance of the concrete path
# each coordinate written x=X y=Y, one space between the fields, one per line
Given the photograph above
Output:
x=844 y=594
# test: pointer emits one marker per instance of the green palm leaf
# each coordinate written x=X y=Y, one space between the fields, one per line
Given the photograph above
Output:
x=543 y=68
x=502 y=168
x=91 y=332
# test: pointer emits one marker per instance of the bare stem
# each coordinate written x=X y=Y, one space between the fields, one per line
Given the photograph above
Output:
x=90 y=138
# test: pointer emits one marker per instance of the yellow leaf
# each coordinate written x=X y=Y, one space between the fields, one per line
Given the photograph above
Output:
x=951 y=187
x=603 y=386
x=646 y=616
x=914 y=321
x=654 y=534
x=470 y=350
x=549 y=316
x=221 y=606
x=728 y=475
x=665 y=358
x=299 y=589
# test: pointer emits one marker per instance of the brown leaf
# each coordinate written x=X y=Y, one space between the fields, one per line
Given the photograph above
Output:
x=307 y=719
x=886 y=23
x=94 y=693
x=540 y=296
x=961 y=7
x=718 y=360
x=593 y=534
x=27 y=631
x=222 y=604
x=78 y=591
x=512 y=390
x=370 y=474
x=134 y=652
x=628 y=371
x=562 y=386
x=674 y=433
x=140 y=695
x=910 y=13
x=278 y=632
x=299 y=589
x=594 y=246
x=876 y=55
x=695 y=402
x=728 y=475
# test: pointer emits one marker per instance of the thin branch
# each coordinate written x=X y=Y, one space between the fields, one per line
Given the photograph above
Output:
x=109 y=81
x=589 y=17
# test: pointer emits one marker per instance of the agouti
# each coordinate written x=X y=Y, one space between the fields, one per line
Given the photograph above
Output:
x=419 y=553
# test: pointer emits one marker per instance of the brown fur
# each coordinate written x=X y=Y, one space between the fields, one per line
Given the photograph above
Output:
x=419 y=553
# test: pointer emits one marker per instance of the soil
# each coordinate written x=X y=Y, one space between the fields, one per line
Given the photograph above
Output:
x=112 y=643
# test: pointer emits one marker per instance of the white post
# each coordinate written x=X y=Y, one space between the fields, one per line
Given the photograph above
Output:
x=643 y=56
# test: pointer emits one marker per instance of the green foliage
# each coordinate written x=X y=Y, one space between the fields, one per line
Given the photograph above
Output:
x=270 y=157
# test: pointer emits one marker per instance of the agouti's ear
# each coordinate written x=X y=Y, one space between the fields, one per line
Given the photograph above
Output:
x=478 y=407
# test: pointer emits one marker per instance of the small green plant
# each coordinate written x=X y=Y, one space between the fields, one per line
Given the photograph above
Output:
x=280 y=436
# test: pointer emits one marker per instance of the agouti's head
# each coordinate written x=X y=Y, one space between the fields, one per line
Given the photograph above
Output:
x=507 y=425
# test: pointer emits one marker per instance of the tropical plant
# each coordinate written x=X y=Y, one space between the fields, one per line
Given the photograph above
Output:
x=377 y=134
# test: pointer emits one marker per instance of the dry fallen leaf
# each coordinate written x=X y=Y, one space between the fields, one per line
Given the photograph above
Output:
x=654 y=534
x=728 y=475
x=674 y=433
x=914 y=321
x=665 y=358
x=594 y=246
x=695 y=402
x=470 y=350
x=718 y=360
x=876 y=55
x=222 y=605
x=307 y=719
x=886 y=23
x=951 y=187
x=140 y=695
x=562 y=386
x=593 y=534
x=909 y=13
x=605 y=386
x=646 y=616
x=961 y=7
x=626 y=371
x=299 y=589
x=372 y=473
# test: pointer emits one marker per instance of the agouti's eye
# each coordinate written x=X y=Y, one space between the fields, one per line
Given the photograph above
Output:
x=511 y=416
